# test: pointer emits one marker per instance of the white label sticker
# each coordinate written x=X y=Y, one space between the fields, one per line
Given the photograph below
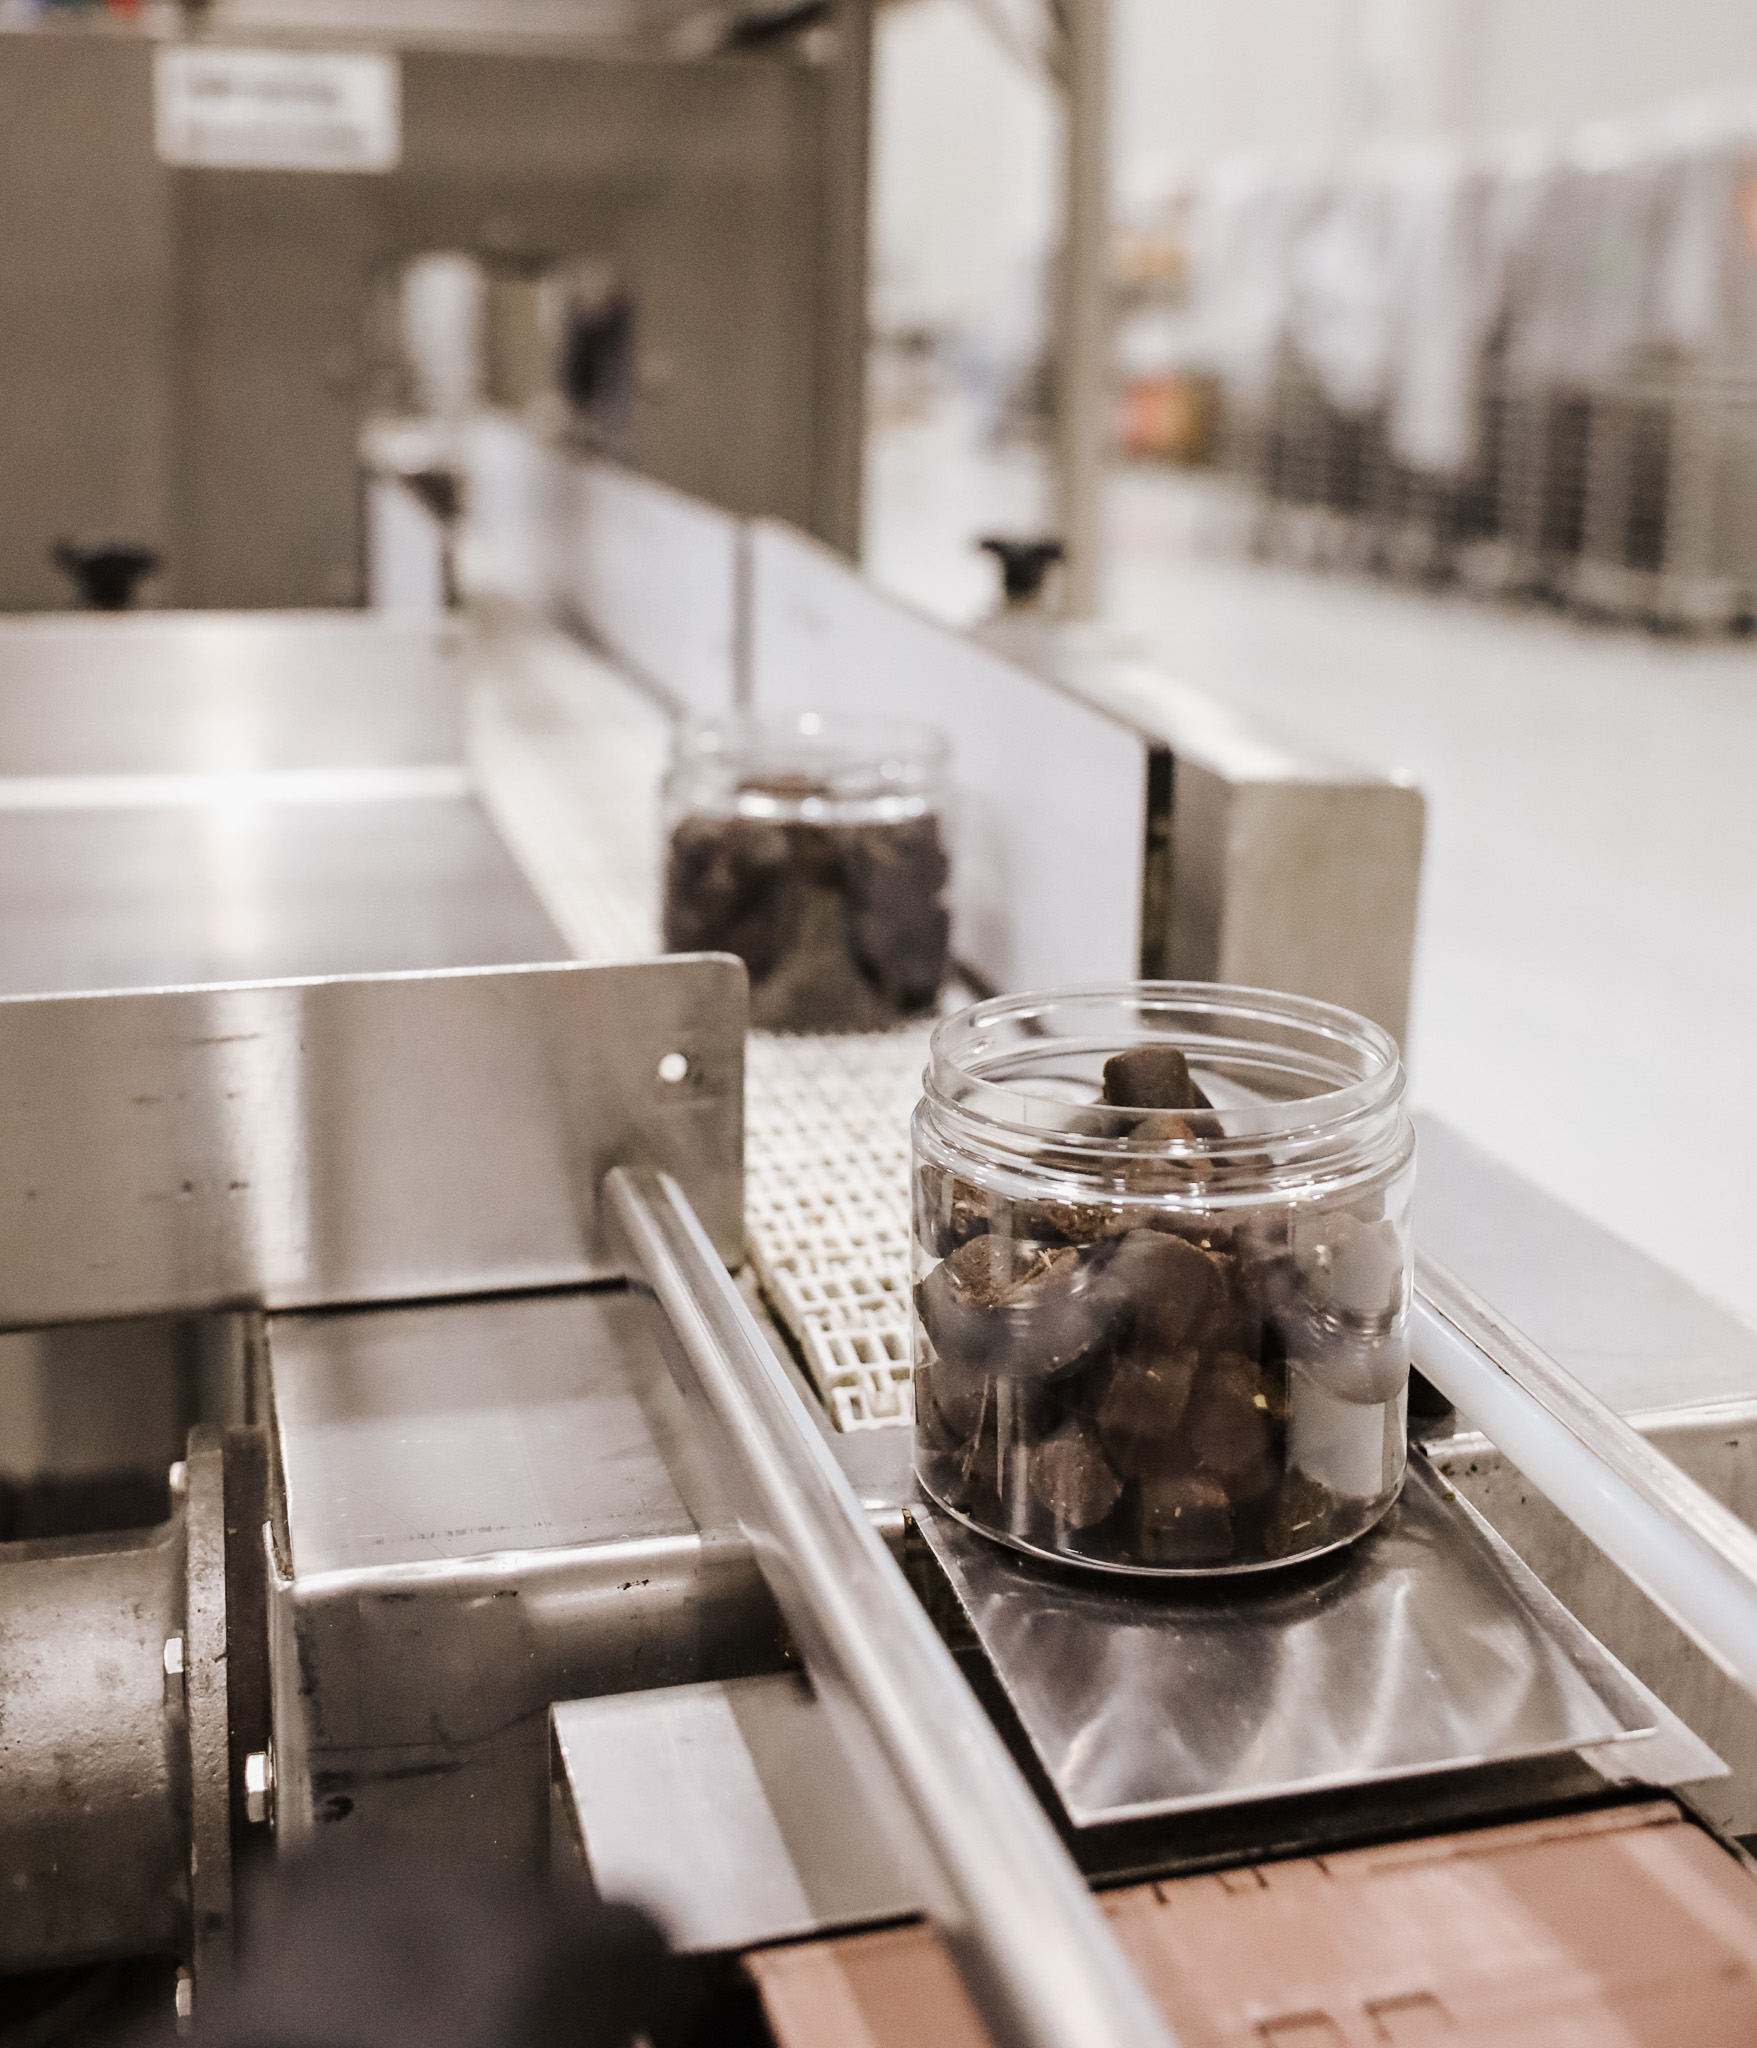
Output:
x=278 y=110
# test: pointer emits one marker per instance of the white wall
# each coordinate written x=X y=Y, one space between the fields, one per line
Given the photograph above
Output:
x=965 y=178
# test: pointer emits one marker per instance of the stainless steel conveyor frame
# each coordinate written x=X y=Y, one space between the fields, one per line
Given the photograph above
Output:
x=1041 y=1964
x=1690 y=1555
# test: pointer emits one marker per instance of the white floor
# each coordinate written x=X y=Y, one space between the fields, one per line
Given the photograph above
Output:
x=1586 y=979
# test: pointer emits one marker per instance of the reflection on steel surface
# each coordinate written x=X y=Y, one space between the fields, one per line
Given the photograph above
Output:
x=387 y=1138
x=113 y=895
x=1425 y=1646
x=728 y=1809
x=226 y=693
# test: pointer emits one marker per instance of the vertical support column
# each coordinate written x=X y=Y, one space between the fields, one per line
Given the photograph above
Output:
x=1083 y=372
x=843 y=319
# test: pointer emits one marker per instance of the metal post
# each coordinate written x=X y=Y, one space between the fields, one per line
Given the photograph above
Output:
x=1082 y=386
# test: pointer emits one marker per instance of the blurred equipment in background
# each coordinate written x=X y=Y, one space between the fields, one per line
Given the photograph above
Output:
x=106 y=573
x=203 y=313
x=1526 y=368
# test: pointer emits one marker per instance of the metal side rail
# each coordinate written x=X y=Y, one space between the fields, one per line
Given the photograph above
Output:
x=1029 y=1940
x=1690 y=1555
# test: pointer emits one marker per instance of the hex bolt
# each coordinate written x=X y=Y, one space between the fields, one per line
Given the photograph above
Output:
x=259 y=1787
x=173 y=1671
x=179 y=1479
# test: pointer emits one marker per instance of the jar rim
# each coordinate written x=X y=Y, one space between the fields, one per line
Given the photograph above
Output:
x=1323 y=1034
x=811 y=728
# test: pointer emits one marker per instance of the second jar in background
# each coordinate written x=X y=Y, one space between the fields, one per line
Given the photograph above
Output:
x=813 y=847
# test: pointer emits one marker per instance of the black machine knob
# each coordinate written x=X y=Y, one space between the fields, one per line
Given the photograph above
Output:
x=1025 y=562
x=105 y=572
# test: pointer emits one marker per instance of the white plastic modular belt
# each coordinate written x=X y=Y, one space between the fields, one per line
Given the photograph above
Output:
x=826 y=1204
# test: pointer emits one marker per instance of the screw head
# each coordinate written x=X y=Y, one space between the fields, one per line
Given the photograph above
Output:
x=185 y=2000
x=259 y=1787
x=179 y=1479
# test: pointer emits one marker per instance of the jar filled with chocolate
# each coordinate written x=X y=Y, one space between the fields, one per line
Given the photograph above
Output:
x=1162 y=1275
x=812 y=846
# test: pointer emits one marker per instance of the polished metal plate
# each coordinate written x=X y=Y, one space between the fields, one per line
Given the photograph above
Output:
x=391 y=1137
x=226 y=693
x=727 y=1809
x=523 y=1422
x=1426 y=1646
x=136 y=894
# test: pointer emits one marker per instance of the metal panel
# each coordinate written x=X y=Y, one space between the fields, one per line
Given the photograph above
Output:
x=1637 y=1335
x=1016 y=1914
x=1424 y=1647
x=1288 y=868
x=1717 y=1447
x=123 y=895
x=384 y=1138
x=1049 y=824
x=728 y=1810
x=478 y=1519
x=188 y=350
x=444 y=1432
x=654 y=576
x=226 y=695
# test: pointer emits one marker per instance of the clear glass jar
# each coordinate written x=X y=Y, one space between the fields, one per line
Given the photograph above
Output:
x=811 y=845
x=1162 y=1275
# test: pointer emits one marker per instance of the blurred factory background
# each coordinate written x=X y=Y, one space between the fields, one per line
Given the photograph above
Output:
x=1433 y=404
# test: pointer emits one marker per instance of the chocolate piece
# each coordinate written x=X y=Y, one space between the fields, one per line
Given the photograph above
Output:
x=894 y=877
x=1184 y=1519
x=1141 y=1412
x=730 y=888
x=950 y=1211
x=1016 y=1309
x=951 y=1401
x=1172 y=1289
x=815 y=985
x=1227 y=1426
x=841 y=927
x=1070 y=1475
x=1065 y=1222
x=1151 y=1077
x=1304 y=1518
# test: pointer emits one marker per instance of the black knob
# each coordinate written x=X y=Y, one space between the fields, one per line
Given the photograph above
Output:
x=1025 y=562
x=106 y=571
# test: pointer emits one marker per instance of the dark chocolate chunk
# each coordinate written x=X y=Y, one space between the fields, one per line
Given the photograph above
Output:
x=1185 y=1519
x=1171 y=1289
x=1304 y=1518
x=1141 y=1412
x=894 y=876
x=841 y=927
x=949 y=1211
x=1227 y=1425
x=951 y=1401
x=815 y=985
x=1070 y=1476
x=730 y=887
x=1017 y=1309
x=1151 y=1077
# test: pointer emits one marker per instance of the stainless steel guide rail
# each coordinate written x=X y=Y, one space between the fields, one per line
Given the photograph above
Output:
x=1029 y=1940
x=1690 y=1555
